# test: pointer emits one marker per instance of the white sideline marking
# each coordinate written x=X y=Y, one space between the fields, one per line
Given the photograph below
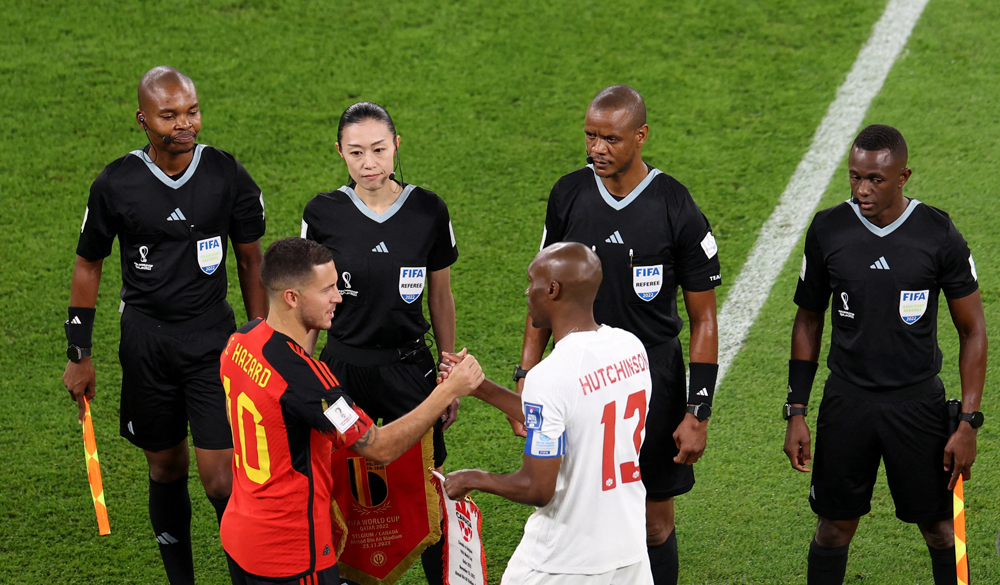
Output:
x=833 y=137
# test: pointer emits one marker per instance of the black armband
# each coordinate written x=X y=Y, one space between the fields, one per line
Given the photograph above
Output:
x=702 y=387
x=80 y=326
x=800 y=380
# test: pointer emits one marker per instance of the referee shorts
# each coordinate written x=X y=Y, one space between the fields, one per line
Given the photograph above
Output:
x=905 y=427
x=519 y=573
x=386 y=390
x=667 y=406
x=170 y=376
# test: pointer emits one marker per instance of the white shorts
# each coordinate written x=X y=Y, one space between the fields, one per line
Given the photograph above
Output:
x=518 y=573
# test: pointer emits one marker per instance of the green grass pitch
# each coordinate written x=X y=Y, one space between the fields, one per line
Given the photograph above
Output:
x=489 y=98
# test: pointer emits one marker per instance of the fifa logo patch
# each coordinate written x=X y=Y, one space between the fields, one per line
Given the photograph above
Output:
x=846 y=311
x=142 y=264
x=532 y=416
x=647 y=280
x=411 y=282
x=347 y=291
x=209 y=254
x=912 y=305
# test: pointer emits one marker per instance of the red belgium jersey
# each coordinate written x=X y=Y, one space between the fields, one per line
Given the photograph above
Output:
x=285 y=410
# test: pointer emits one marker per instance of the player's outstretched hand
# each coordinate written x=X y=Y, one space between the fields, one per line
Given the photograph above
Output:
x=449 y=416
x=81 y=382
x=459 y=484
x=465 y=377
x=448 y=361
x=691 y=437
x=797 y=443
x=960 y=453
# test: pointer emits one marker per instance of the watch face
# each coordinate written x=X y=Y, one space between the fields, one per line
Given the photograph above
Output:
x=976 y=420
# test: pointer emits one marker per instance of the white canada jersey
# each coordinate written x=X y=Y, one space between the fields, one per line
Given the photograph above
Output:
x=587 y=403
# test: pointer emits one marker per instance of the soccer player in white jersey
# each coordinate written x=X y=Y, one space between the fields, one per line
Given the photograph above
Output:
x=584 y=408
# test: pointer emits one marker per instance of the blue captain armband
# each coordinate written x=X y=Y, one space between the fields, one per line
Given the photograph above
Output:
x=543 y=446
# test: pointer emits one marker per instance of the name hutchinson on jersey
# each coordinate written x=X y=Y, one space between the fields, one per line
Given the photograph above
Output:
x=623 y=370
x=257 y=372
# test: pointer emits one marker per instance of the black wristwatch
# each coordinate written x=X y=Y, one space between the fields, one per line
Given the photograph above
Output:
x=975 y=419
x=519 y=373
x=700 y=411
x=788 y=411
x=75 y=353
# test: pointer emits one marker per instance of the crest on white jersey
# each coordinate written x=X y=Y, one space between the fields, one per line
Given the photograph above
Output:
x=411 y=282
x=532 y=416
x=912 y=305
x=647 y=280
x=210 y=254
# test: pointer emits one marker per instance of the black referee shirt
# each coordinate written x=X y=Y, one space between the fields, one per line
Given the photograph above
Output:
x=172 y=232
x=885 y=284
x=383 y=261
x=649 y=242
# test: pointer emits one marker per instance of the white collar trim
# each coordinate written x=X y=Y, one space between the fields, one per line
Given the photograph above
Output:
x=378 y=217
x=884 y=231
x=619 y=205
x=166 y=180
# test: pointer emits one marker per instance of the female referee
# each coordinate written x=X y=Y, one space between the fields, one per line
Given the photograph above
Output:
x=389 y=240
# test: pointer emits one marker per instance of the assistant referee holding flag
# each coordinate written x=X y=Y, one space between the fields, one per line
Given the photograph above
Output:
x=172 y=205
x=651 y=237
x=885 y=259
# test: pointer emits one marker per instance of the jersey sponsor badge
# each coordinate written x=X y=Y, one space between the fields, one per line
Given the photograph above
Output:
x=647 y=280
x=912 y=305
x=540 y=445
x=532 y=416
x=411 y=282
x=143 y=263
x=341 y=415
x=209 y=254
x=709 y=246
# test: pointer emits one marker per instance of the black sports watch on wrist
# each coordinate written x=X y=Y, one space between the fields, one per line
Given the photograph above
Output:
x=975 y=419
x=701 y=411
x=519 y=373
x=75 y=353
x=788 y=411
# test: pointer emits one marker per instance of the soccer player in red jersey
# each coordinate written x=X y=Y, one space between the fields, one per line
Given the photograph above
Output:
x=286 y=409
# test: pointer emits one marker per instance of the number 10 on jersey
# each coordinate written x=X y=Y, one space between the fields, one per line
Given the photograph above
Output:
x=636 y=403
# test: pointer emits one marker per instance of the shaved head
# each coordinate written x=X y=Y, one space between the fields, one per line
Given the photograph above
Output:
x=621 y=97
x=574 y=266
x=159 y=78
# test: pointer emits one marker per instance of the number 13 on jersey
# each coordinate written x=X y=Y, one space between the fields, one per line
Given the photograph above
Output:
x=636 y=404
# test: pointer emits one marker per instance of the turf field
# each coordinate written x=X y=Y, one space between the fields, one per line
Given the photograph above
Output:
x=489 y=98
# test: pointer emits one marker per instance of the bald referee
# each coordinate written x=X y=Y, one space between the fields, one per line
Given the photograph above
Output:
x=651 y=237
x=174 y=206
x=884 y=259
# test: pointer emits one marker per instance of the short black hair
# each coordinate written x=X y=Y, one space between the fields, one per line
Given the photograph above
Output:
x=362 y=111
x=882 y=137
x=288 y=263
x=621 y=97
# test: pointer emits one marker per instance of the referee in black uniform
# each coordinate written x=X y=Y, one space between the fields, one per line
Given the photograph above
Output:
x=884 y=259
x=389 y=240
x=173 y=205
x=651 y=237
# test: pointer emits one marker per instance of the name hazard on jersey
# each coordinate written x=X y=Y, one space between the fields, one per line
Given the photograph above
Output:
x=623 y=370
x=256 y=371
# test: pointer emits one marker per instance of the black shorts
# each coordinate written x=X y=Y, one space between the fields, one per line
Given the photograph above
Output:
x=667 y=406
x=386 y=390
x=856 y=428
x=170 y=376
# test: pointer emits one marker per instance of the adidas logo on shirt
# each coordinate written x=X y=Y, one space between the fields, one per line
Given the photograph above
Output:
x=880 y=264
x=381 y=248
x=615 y=238
x=177 y=215
x=703 y=392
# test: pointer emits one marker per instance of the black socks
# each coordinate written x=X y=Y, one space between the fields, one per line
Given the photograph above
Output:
x=943 y=564
x=827 y=566
x=170 y=514
x=663 y=561
x=433 y=562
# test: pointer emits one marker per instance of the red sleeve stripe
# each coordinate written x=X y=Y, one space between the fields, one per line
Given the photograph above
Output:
x=326 y=370
x=318 y=368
